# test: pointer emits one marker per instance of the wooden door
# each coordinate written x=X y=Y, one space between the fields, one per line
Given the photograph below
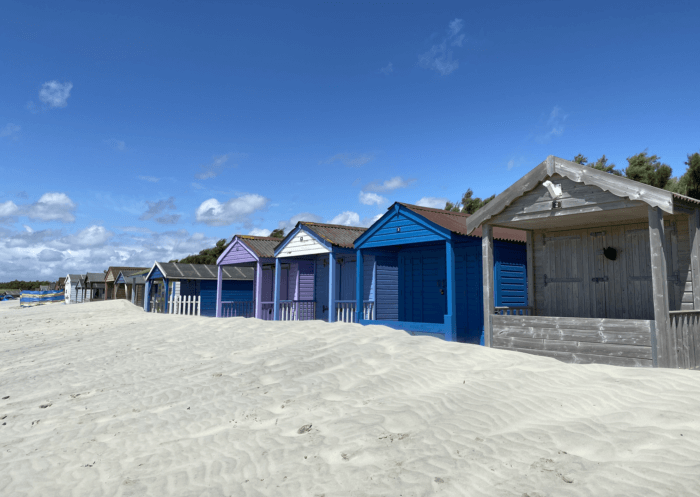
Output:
x=563 y=278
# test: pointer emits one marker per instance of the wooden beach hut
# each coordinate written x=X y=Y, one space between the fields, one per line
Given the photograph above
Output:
x=254 y=252
x=614 y=268
x=315 y=273
x=113 y=291
x=71 y=288
x=168 y=283
x=426 y=275
x=80 y=290
x=134 y=284
x=94 y=286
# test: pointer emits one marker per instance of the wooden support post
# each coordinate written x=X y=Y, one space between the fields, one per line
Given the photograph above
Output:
x=487 y=272
x=360 y=287
x=258 y=290
x=278 y=288
x=219 y=285
x=331 y=287
x=166 y=284
x=530 y=247
x=694 y=232
x=451 y=317
x=147 y=297
x=665 y=341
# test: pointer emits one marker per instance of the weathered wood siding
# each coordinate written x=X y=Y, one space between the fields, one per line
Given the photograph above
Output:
x=583 y=341
x=303 y=244
x=574 y=279
x=576 y=198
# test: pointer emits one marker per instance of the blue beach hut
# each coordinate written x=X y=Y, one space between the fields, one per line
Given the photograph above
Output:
x=315 y=273
x=427 y=272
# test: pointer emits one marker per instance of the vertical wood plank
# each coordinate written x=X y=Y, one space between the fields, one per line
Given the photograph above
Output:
x=331 y=287
x=530 y=263
x=278 y=288
x=258 y=289
x=450 y=269
x=666 y=342
x=487 y=273
x=359 y=286
x=694 y=235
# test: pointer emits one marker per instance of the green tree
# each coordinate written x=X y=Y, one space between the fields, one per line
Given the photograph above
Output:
x=278 y=233
x=206 y=256
x=601 y=164
x=469 y=204
x=692 y=176
x=648 y=169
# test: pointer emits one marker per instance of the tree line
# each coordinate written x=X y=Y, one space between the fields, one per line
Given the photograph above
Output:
x=22 y=285
x=642 y=167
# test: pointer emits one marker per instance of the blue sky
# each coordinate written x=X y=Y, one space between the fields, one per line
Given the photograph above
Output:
x=131 y=132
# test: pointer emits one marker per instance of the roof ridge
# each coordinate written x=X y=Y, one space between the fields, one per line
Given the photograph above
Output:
x=433 y=209
x=333 y=225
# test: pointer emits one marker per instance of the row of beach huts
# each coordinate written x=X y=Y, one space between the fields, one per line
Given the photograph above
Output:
x=581 y=265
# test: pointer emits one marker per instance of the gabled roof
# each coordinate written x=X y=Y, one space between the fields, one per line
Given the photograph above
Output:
x=261 y=246
x=335 y=234
x=182 y=271
x=74 y=278
x=114 y=271
x=131 y=277
x=617 y=185
x=456 y=222
x=95 y=277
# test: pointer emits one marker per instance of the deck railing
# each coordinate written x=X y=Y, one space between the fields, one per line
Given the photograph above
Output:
x=345 y=310
x=685 y=325
x=297 y=310
x=241 y=309
x=513 y=311
x=268 y=311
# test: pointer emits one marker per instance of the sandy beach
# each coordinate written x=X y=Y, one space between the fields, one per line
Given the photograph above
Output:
x=104 y=399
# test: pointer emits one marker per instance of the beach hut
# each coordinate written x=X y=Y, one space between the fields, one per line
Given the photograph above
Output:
x=133 y=283
x=426 y=275
x=614 y=268
x=113 y=291
x=94 y=286
x=258 y=253
x=80 y=290
x=174 y=284
x=70 y=288
x=315 y=273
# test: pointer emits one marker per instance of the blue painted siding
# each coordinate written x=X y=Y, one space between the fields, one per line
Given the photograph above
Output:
x=156 y=274
x=348 y=280
x=369 y=289
x=410 y=232
x=422 y=285
x=388 y=288
x=321 y=282
x=470 y=306
x=510 y=275
x=231 y=290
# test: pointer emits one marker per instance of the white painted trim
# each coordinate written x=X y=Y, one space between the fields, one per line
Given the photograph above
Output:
x=303 y=244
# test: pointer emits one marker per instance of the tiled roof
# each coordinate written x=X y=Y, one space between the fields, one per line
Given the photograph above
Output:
x=336 y=234
x=456 y=222
x=181 y=271
x=262 y=246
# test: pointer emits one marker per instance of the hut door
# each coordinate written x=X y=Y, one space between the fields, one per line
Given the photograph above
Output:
x=563 y=276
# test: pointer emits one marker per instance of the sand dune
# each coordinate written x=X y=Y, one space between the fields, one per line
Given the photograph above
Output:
x=105 y=399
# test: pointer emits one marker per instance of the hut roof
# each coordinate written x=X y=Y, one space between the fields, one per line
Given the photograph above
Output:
x=336 y=234
x=114 y=271
x=456 y=222
x=95 y=277
x=262 y=246
x=617 y=185
x=182 y=271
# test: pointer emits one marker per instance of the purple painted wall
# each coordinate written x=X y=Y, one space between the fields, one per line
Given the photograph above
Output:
x=306 y=280
x=267 y=286
x=238 y=254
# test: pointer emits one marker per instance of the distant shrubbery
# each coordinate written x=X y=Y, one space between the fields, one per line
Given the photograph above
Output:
x=22 y=285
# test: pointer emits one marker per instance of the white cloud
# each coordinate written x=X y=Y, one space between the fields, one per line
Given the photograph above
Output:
x=369 y=221
x=388 y=69
x=292 y=222
x=439 y=57
x=389 y=185
x=116 y=144
x=150 y=179
x=52 y=207
x=235 y=210
x=347 y=218
x=8 y=209
x=55 y=94
x=10 y=131
x=554 y=126
x=350 y=160
x=155 y=208
x=368 y=198
x=89 y=237
x=434 y=202
x=259 y=232
x=50 y=255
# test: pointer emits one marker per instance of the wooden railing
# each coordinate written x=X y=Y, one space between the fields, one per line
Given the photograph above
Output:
x=345 y=310
x=685 y=325
x=268 y=311
x=241 y=309
x=513 y=311
x=187 y=305
x=297 y=310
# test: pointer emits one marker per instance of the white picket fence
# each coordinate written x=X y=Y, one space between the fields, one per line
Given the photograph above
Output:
x=188 y=305
x=345 y=311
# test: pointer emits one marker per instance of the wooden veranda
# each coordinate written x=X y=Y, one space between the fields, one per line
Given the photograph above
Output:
x=613 y=269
